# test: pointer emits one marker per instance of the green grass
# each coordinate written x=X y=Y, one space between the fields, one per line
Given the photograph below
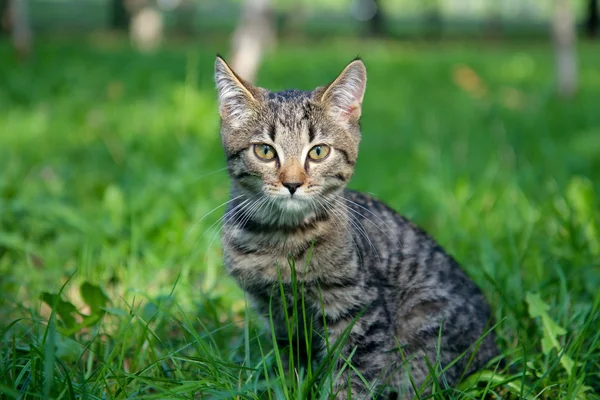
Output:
x=110 y=160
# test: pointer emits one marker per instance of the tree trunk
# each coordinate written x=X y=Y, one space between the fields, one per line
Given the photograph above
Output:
x=592 y=23
x=291 y=21
x=253 y=36
x=20 y=28
x=432 y=19
x=494 y=20
x=185 y=15
x=564 y=34
x=377 y=21
x=146 y=27
x=119 y=15
x=4 y=20
x=369 y=12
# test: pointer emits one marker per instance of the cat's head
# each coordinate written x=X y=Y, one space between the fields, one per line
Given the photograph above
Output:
x=294 y=148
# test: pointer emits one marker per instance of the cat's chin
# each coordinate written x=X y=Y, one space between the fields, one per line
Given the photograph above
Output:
x=293 y=210
x=293 y=204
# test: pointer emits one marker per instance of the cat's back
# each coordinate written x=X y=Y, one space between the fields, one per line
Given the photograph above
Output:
x=423 y=286
x=415 y=267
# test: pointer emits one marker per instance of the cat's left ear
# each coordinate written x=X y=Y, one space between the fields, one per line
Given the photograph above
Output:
x=343 y=97
x=237 y=98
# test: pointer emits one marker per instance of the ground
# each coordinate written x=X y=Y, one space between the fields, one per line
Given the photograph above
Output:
x=111 y=163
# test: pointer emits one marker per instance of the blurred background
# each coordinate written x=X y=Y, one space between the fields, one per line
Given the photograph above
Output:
x=481 y=122
x=257 y=25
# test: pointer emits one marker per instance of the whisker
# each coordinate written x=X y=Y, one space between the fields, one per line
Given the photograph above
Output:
x=271 y=207
x=230 y=213
x=373 y=214
x=237 y=215
x=207 y=214
x=355 y=222
x=251 y=212
x=362 y=231
x=350 y=209
x=207 y=174
x=339 y=216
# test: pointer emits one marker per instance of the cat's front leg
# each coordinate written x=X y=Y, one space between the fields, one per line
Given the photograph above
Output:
x=349 y=386
x=356 y=383
x=364 y=365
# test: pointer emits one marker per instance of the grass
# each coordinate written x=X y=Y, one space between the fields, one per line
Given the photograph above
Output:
x=110 y=269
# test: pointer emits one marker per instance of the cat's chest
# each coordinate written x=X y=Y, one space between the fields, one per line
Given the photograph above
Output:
x=269 y=256
x=309 y=305
x=260 y=261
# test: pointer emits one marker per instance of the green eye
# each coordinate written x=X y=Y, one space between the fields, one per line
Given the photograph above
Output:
x=319 y=152
x=264 y=151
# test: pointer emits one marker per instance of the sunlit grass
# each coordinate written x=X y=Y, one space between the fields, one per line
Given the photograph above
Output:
x=109 y=161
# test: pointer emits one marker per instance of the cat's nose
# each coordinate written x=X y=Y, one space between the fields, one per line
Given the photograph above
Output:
x=292 y=186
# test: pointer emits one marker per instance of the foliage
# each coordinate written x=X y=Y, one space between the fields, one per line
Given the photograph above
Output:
x=112 y=178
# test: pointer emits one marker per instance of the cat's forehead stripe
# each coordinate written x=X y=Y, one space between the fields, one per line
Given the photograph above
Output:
x=272 y=132
x=311 y=132
x=287 y=95
x=292 y=111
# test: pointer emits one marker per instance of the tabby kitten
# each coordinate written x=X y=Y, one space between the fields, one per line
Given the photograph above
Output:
x=363 y=268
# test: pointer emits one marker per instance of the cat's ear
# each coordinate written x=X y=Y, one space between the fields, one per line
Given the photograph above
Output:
x=236 y=96
x=343 y=97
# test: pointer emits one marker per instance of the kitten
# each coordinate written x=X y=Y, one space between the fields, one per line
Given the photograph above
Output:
x=369 y=270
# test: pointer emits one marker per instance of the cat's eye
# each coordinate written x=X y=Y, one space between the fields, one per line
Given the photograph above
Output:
x=318 y=152
x=264 y=151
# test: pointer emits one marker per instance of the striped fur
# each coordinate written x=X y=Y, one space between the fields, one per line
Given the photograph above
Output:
x=363 y=269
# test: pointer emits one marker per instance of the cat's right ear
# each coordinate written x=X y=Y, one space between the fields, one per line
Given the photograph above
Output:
x=236 y=96
x=343 y=97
